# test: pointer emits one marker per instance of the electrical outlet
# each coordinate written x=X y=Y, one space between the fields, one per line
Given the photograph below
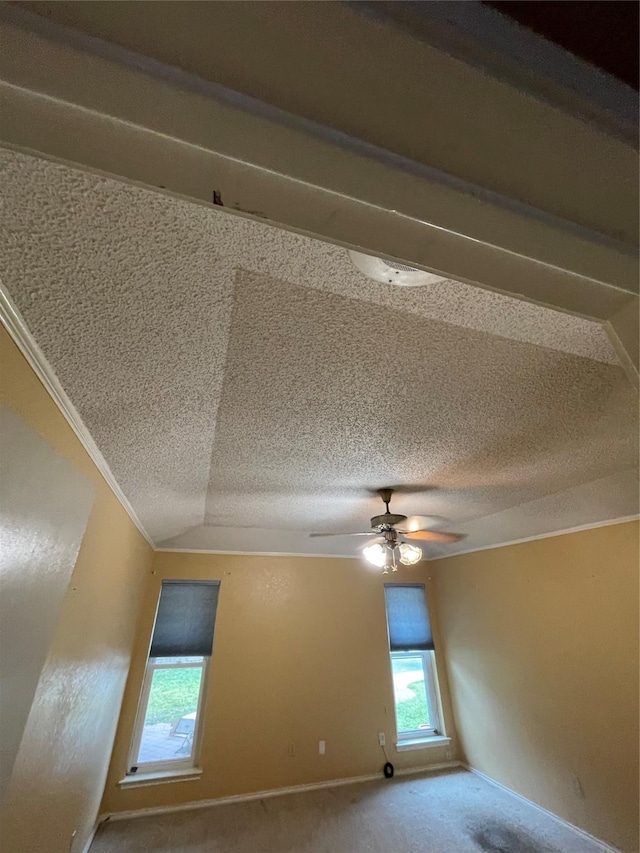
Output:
x=321 y=747
x=382 y=740
x=291 y=750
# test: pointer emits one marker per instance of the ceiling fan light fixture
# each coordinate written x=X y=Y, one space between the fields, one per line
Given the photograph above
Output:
x=409 y=554
x=387 y=555
x=375 y=554
x=390 y=560
x=389 y=548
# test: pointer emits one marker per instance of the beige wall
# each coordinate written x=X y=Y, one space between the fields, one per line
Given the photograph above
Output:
x=541 y=641
x=62 y=764
x=300 y=655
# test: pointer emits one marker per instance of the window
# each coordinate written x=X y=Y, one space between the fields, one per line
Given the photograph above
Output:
x=415 y=694
x=413 y=669
x=168 y=725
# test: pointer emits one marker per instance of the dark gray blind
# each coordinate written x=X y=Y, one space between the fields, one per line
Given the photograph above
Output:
x=407 y=617
x=185 y=619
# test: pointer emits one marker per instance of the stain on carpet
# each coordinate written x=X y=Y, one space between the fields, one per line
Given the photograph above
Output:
x=496 y=837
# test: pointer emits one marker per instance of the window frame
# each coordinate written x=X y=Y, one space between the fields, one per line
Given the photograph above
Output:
x=436 y=729
x=174 y=764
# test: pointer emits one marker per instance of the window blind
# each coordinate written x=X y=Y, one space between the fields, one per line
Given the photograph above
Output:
x=408 y=617
x=185 y=619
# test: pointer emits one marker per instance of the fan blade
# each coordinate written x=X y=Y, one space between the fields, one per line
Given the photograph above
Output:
x=372 y=533
x=432 y=536
x=416 y=523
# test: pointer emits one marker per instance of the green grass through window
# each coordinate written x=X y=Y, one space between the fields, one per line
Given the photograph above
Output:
x=174 y=693
x=411 y=710
x=413 y=713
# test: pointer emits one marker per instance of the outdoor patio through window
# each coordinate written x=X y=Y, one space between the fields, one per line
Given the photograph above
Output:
x=172 y=708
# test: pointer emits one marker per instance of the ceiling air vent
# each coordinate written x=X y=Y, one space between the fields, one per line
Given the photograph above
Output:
x=391 y=272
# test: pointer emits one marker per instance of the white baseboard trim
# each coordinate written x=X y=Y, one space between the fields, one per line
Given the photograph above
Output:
x=605 y=848
x=92 y=835
x=274 y=792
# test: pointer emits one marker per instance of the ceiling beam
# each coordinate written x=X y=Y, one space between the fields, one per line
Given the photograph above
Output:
x=101 y=106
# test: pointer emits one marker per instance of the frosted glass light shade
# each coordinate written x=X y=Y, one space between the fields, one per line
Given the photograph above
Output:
x=409 y=554
x=375 y=554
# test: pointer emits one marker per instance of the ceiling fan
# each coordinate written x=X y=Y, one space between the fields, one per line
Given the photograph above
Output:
x=392 y=529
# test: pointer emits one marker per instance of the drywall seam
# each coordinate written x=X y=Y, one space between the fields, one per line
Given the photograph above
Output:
x=606 y=848
x=275 y=792
x=592 y=526
x=14 y=323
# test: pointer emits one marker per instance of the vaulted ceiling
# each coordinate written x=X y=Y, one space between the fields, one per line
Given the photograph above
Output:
x=248 y=385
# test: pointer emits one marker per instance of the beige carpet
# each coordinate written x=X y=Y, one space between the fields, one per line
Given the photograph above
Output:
x=452 y=812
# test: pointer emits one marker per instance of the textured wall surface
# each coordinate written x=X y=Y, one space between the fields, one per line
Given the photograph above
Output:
x=61 y=768
x=44 y=509
x=245 y=384
x=541 y=643
x=300 y=655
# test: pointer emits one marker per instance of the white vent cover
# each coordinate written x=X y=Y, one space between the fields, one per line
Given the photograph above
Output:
x=391 y=272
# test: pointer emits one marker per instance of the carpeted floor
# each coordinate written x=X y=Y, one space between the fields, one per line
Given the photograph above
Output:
x=452 y=812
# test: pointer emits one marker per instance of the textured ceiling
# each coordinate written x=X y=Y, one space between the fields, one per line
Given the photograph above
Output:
x=247 y=385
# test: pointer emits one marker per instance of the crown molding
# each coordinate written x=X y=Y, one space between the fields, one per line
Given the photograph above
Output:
x=15 y=325
x=255 y=553
x=592 y=526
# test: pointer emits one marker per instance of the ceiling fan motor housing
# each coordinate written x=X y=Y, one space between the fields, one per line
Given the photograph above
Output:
x=387 y=519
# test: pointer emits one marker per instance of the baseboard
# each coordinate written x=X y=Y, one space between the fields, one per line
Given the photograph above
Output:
x=92 y=835
x=274 y=792
x=605 y=848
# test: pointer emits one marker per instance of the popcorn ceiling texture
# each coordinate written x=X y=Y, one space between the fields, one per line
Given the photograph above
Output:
x=332 y=394
x=242 y=381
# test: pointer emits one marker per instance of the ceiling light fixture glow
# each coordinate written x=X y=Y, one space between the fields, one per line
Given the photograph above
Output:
x=375 y=554
x=410 y=554
x=387 y=556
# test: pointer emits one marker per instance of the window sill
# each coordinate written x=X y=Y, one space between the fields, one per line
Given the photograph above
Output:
x=422 y=743
x=138 y=780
